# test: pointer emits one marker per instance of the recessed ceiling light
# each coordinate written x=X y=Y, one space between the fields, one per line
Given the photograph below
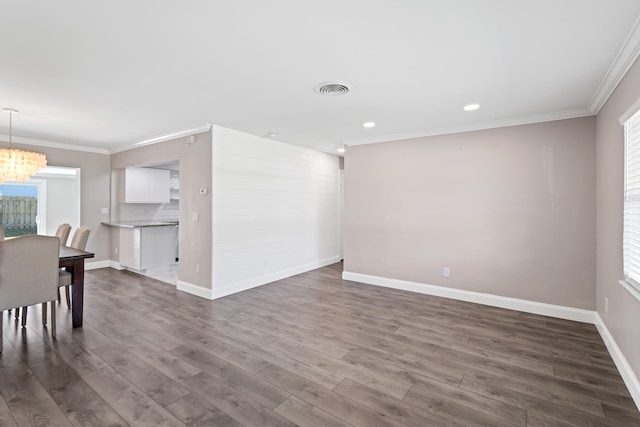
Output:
x=340 y=150
x=471 y=107
x=368 y=124
x=272 y=134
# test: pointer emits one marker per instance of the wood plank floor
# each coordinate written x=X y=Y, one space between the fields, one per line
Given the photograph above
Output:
x=310 y=350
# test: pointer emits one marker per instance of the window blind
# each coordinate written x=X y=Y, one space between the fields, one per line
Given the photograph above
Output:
x=631 y=233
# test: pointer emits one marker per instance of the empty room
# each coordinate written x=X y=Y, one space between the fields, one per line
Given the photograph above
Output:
x=336 y=213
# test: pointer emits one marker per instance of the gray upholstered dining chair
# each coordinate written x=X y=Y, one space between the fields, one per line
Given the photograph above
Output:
x=63 y=233
x=79 y=241
x=29 y=275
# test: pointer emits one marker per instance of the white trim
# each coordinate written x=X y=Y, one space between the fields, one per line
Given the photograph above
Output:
x=625 y=58
x=632 y=290
x=196 y=290
x=630 y=112
x=271 y=277
x=103 y=264
x=629 y=377
x=53 y=144
x=116 y=265
x=516 y=121
x=94 y=265
x=562 y=312
x=186 y=132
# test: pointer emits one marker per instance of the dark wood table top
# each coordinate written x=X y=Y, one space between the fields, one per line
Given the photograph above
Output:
x=69 y=254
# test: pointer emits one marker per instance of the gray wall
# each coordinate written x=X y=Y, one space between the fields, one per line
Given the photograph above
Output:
x=195 y=173
x=510 y=211
x=623 y=317
x=94 y=188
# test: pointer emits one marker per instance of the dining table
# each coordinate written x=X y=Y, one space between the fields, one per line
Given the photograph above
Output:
x=73 y=261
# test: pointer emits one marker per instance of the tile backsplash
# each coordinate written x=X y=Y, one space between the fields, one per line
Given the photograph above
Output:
x=149 y=211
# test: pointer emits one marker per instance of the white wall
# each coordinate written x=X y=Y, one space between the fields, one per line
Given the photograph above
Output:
x=62 y=198
x=275 y=210
x=63 y=203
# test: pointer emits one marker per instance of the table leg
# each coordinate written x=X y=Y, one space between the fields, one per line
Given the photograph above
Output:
x=77 y=301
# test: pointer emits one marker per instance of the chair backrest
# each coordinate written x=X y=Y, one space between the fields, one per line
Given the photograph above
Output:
x=80 y=238
x=63 y=233
x=28 y=270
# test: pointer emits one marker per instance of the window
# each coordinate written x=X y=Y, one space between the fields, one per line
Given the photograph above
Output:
x=631 y=233
x=50 y=198
x=21 y=208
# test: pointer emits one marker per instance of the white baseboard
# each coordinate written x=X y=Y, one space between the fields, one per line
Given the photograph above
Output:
x=192 y=289
x=629 y=377
x=103 y=264
x=271 y=277
x=551 y=310
x=117 y=266
x=97 y=264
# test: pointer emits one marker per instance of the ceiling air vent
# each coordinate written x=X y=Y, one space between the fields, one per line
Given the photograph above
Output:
x=332 y=88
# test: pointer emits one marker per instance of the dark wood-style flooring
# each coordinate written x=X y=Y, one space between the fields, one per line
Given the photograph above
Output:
x=310 y=350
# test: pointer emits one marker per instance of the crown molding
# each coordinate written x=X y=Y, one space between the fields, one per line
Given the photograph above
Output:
x=625 y=58
x=516 y=121
x=63 y=146
x=53 y=144
x=186 y=132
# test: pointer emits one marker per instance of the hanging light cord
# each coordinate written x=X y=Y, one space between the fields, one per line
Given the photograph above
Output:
x=11 y=111
x=10 y=129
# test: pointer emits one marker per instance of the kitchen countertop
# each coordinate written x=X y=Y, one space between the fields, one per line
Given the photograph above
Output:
x=140 y=224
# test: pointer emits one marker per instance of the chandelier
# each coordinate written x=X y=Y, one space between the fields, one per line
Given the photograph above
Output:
x=18 y=165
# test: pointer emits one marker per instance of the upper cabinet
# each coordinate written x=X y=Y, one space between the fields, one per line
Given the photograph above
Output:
x=146 y=185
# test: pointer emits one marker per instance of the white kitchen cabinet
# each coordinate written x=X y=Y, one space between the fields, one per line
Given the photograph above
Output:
x=146 y=185
x=148 y=248
x=130 y=248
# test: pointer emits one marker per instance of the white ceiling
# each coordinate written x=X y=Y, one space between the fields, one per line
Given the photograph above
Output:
x=114 y=73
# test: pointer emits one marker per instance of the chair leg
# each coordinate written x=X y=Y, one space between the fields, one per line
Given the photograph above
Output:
x=24 y=316
x=59 y=295
x=17 y=313
x=44 y=314
x=53 y=319
x=68 y=294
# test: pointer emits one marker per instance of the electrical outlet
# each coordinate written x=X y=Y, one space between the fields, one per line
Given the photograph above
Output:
x=116 y=251
x=194 y=217
x=606 y=304
x=197 y=269
x=445 y=271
